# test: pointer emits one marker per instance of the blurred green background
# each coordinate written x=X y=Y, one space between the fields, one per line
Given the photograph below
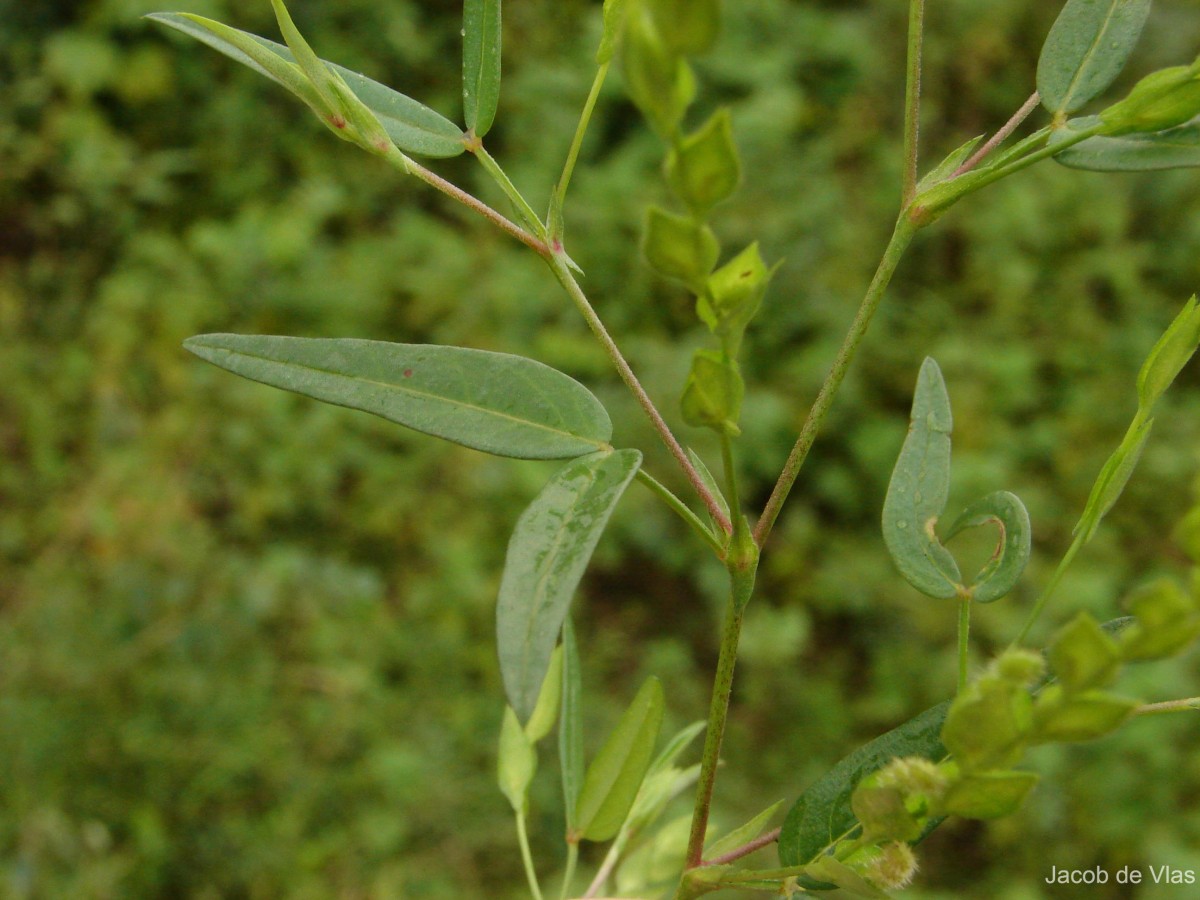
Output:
x=246 y=639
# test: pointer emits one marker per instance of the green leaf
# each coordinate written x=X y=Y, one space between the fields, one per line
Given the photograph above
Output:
x=549 y=550
x=1086 y=50
x=1175 y=148
x=1082 y=655
x=831 y=871
x=481 y=63
x=988 y=795
x=704 y=168
x=988 y=724
x=822 y=816
x=1003 y=570
x=413 y=127
x=570 y=733
x=712 y=397
x=614 y=24
x=917 y=492
x=516 y=761
x=689 y=27
x=676 y=745
x=545 y=712
x=613 y=778
x=679 y=247
x=743 y=834
x=347 y=115
x=1111 y=481
x=495 y=402
x=250 y=50
x=1169 y=355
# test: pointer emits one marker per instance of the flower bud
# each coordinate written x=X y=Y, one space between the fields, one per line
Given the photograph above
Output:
x=1159 y=101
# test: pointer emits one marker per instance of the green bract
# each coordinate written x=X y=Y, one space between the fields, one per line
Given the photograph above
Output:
x=704 y=168
x=679 y=247
x=712 y=397
x=613 y=778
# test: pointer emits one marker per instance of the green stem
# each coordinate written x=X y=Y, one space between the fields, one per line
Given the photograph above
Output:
x=524 y=210
x=1190 y=704
x=731 y=486
x=1051 y=585
x=566 y=278
x=901 y=236
x=964 y=630
x=741 y=572
x=682 y=510
x=569 y=874
x=585 y=118
x=912 y=98
x=527 y=858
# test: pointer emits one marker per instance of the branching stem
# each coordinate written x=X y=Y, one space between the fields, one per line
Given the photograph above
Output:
x=566 y=278
x=681 y=509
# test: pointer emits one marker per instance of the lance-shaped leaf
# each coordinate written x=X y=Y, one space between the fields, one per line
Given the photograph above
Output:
x=1111 y=481
x=481 y=63
x=570 y=732
x=613 y=778
x=414 y=127
x=1086 y=50
x=1175 y=148
x=1008 y=513
x=614 y=24
x=547 y=555
x=822 y=816
x=495 y=402
x=917 y=493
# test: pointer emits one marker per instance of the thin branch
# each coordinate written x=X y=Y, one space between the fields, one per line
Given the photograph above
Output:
x=912 y=98
x=1000 y=136
x=746 y=849
x=901 y=237
x=407 y=164
x=1169 y=706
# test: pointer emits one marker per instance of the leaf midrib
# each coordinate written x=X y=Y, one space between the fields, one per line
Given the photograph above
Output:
x=599 y=445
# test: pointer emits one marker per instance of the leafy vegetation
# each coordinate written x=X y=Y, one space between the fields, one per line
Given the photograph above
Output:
x=248 y=639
